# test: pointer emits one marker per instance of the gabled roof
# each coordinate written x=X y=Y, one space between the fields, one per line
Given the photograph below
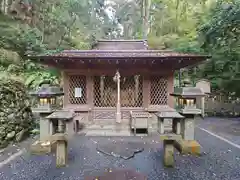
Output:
x=124 y=54
x=127 y=50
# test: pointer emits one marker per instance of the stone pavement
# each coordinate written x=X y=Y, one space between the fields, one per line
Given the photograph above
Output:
x=218 y=161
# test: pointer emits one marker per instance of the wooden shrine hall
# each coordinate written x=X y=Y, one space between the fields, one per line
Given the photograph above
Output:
x=117 y=78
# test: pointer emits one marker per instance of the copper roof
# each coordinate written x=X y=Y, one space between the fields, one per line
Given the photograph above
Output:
x=122 y=49
x=127 y=50
x=121 y=45
x=122 y=54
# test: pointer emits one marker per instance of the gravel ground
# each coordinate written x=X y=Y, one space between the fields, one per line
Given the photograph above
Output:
x=14 y=148
x=229 y=128
x=219 y=161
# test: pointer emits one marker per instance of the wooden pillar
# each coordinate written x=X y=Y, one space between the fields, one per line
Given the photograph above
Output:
x=146 y=91
x=89 y=90
x=118 y=106
x=136 y=79
x=90 y=95
x=65 y=85
x=102 y=78
x=170 y=89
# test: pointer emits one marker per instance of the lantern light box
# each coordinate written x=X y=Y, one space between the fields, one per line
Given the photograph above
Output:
x=47 y=97
x=186 y=99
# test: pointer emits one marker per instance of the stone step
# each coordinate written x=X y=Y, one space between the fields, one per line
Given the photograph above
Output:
x=110 y=122
x=106 y=127
x=107 y=133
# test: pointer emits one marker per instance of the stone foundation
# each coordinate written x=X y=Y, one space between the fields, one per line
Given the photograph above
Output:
x=188 y=147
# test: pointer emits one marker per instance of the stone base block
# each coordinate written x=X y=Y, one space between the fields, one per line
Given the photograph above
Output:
x=43 y=147
x=170 y=136
x=61 y=153
x=188 y=147
x=168 y=157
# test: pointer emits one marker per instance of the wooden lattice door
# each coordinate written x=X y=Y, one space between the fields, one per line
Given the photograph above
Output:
x=77 y=89
x=131 y=91
x=158 y=90
x=105 y=91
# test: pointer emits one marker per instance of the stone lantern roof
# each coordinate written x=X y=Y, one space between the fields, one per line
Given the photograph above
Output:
x=47 y=91
x=188 y=91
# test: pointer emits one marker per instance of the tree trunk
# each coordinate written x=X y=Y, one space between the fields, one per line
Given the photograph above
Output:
x=145 y=17
x=4 y=6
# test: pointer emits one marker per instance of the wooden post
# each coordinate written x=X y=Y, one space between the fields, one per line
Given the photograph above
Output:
x=168 y=158
x=136 y=78
x=118 y=106
x=146 y=91
x=102 y=89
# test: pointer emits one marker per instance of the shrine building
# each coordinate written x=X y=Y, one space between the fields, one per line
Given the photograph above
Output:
x=117 y=77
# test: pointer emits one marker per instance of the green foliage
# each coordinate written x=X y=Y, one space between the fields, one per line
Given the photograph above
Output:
x=188 y=26
x=46 y=27
x=19 y=38
x=209 y=27
x=220 y=36
x=33 y=79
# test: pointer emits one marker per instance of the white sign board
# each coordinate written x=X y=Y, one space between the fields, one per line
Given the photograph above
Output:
x=78 y=92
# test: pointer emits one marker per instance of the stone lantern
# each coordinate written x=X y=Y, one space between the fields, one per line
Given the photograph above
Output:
x=186 y=106
x=47 y=103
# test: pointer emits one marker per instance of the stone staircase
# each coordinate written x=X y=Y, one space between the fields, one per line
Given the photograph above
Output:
x=104 y=124
x=108 y=128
